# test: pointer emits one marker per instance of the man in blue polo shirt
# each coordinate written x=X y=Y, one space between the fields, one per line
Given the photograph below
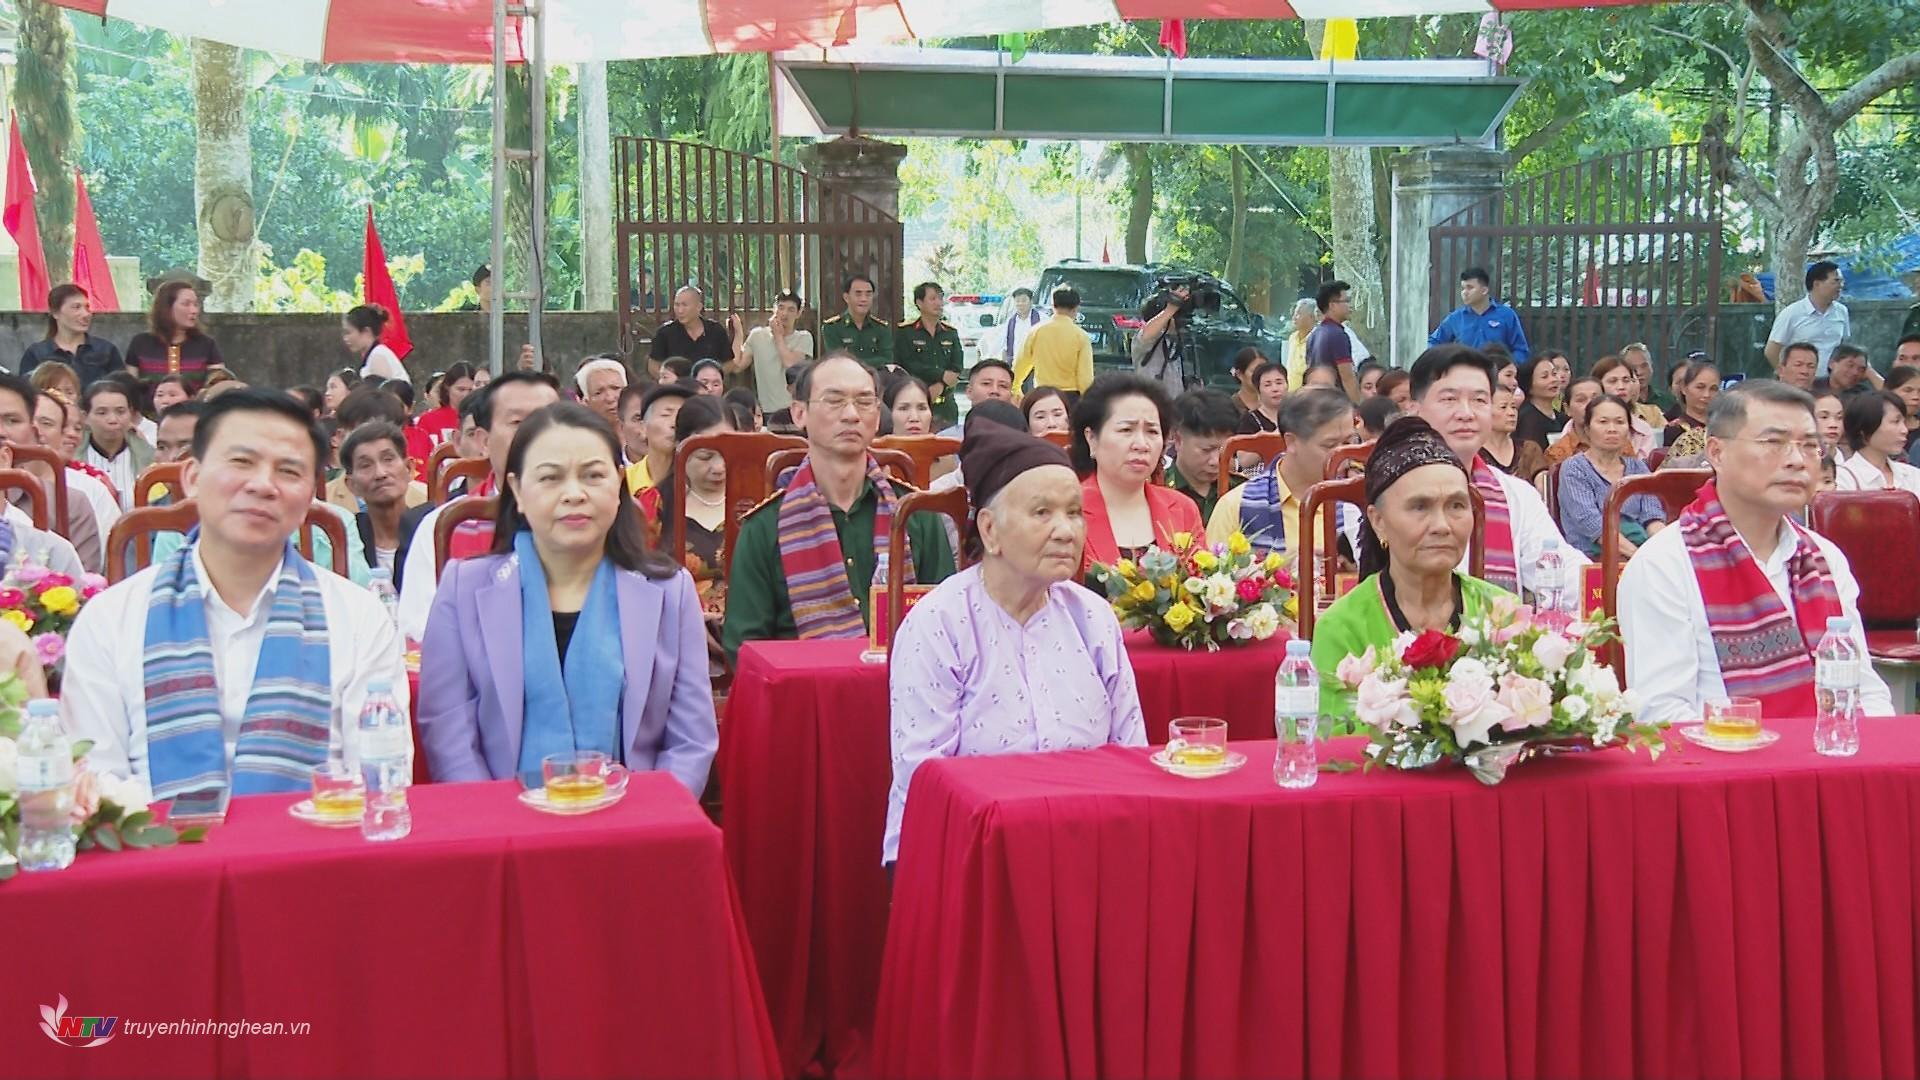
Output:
x=1481 y=319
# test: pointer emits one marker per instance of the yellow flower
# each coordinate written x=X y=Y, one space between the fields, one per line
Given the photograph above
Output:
x=1144 y=592
x=1182 y=541
x=1179 y=617
x=20 y=619
x=61 y=601
x=1237 y=544
x=1273 y=562
x=1167 y=582
x=1125 y=568
x=1205 y=560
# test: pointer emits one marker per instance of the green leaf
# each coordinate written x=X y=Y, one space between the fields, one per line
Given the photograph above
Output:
x=132 y=821
x=159 y=836
x=193 y=835
x=1340 y=766
x=108 y=839
x=9 y=870
x=130 y=838
x=81 y=747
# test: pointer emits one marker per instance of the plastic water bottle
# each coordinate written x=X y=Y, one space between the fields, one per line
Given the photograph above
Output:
x=386 y=765
x=1550 y=582
x=45 y=789
x=1836 y=687
x=383 y=590
x=1296 y=718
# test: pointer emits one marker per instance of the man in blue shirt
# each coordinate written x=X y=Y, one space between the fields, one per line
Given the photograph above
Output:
x=1481 y=319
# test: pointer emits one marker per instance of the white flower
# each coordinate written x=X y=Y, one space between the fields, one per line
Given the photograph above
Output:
x=1384 y=704
x=1574 y=706
x=1264 y=621
x=1353 y=670
x=1194 y=586
x=1239 y=630
x=127 y=794
x=1400 y=644
x=1470 y=672
x=1219 y=593
x=9 y=755
x=1596 y=680
x=1552 y=651
x=1529 y=700
x=1469 y=636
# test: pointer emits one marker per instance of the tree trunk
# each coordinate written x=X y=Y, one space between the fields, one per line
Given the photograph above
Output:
x=1237 y=232
x=1356 y=254
x=596 y=189
x=1140 y=209
x=44 y=97
x=223 y=175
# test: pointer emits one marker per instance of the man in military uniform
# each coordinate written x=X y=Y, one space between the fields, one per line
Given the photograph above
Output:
x=929 y=349
x=792 y=579
x=856 y=330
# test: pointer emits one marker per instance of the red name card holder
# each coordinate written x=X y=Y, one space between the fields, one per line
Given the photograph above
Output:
x=1590 y=589
x=881 y=637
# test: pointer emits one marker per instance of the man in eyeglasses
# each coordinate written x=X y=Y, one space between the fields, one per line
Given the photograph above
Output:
x=791 y=576
x=1753 y=588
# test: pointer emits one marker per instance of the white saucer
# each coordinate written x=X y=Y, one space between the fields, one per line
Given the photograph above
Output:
x=537 y=798
x=1697 y=735
x=304 y=811
x=1233 y=760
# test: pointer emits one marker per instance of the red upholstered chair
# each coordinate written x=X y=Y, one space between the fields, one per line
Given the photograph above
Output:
x=1675 y=488
x=746 y=454
x=1345 y=458
x=1061 y=439
x=922 y=450
x=1550 y=491
x=1313 y=577
x=1879 y=532
x=457 y=513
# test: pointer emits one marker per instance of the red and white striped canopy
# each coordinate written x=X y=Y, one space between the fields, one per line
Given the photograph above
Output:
x=461 y=31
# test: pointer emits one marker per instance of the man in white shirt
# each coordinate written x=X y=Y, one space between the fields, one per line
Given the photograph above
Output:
x=509 y=399
x=235 y=624
x=1818 y=318
x=1772 y=583
x=1453 y=388
x=768 y=351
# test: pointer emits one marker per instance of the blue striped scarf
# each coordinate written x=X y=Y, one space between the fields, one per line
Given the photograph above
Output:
x=289 y=716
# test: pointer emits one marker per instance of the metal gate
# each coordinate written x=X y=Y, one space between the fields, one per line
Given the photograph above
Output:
x=1597 y=255
x=744 y=229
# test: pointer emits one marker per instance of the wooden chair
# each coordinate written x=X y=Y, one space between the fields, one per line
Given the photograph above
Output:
x=321 y=516
x=1061 y=439
x=924 y=450
x=1550 y=491
x=135 y=529
x=166 y=472
x=1675 y=488
x=473 y=470
x=1345 y=457
x=1353 y=490
x=781 y=462
x=452 y=516
x=22 y=480
x=952 y=503
x=62 y=524
x=443 y=455
x=1265 y=445
x=746 y=454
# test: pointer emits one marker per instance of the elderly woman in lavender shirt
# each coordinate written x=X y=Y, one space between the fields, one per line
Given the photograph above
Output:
x=1010 y=655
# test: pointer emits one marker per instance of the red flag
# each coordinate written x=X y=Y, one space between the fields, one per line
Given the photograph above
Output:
x=90 y=270
x=1173 y=37
x=1105 y=257
x=22 y=223
x=378 y=287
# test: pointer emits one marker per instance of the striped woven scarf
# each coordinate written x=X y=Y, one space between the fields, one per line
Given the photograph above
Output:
x=823 y=600
x=285 y=731
x=1503 y=568
x=1765 y=651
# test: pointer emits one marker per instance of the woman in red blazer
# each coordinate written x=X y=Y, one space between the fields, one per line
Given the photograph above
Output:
x=1119 y=436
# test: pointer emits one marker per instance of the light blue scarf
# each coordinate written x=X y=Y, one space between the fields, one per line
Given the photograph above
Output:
x=575 y=704
x=289 y=718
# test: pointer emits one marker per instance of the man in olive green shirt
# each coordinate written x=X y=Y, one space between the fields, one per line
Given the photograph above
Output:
x=837 y=404
x=929 y=349
x=855 y=330
x=1203 y=421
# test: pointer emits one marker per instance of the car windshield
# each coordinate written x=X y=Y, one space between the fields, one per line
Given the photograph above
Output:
x=1118 y=289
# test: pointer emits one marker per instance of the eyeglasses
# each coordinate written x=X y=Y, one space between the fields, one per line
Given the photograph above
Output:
x=862 y=403
x=1778 y=448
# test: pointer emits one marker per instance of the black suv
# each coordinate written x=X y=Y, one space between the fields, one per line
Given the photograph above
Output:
x=1111 y=298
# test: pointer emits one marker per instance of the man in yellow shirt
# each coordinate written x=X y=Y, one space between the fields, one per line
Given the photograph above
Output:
x=1267 y=508
x=1057 y=353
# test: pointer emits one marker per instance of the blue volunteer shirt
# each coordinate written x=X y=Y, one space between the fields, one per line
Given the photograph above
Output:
x=1498 y=323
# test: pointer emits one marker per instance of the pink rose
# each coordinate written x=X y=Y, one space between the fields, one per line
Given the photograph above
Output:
x=11 y=598
x=31 y=574
x=86 y=795
x=1529 y=700
x=1553 y=650
x=1384 y=704
x=1503 y=608
x=1472 y=709
x=1353 y=670
x=50 y=647
x=91 y=585
x=54 y=581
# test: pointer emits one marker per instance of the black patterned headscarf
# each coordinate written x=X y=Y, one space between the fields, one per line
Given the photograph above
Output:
x=1408 y=443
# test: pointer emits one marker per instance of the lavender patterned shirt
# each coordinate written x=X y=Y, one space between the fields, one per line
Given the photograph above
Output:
x=967 y=679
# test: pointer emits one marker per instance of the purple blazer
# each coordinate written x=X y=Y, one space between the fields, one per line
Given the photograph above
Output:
x=472 y=675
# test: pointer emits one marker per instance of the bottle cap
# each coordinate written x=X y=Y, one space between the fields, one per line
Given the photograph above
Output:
x=43 y=705
x=1299 y=647
x=1839 y=623
x=378 y=572
x=381 y=686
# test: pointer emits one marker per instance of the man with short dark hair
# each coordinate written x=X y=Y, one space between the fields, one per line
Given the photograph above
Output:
x=1848 y=371
x=690 y=335
x=113 y=446
x=174 y=439
x=375 y=459
x=234 y=625
x=1799 y=365
x=1736 y=574
x=659 y=407
x=366 y=405
x=1203 y=421
x=1006 y=340
x=1329 y=344
x=928 y=348
x=19 y=408
x=856 y=330
x=1907 y=352
x=768 y=351
x=1818 y=318
x=1058 y=353
x=1481 y=319
x=990 y=380
x=807 y=560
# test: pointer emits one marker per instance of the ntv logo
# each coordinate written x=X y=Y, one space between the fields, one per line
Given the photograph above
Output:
x=76 y=1031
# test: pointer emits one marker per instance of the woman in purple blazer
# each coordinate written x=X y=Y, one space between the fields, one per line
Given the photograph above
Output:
x=571 y=634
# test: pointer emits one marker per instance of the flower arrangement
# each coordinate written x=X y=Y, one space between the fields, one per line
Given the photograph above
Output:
x=43 y=605
x=1512 y=684
x=1195 y=595
x=109 y=813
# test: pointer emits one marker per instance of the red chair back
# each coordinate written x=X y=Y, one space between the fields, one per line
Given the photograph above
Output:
x=62 y=524
x=746 y=454
x=922 y=451
x=165 y=472
x=1346 y=457
x=1313 y=577
x=1675 y=488
x=1265 y=445
x=22 y=480
x=1879 y=532
x=953 y=504
x=135 y=530
x=443 y=455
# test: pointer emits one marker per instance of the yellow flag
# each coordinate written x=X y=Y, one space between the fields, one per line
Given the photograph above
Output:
x=1342 y=41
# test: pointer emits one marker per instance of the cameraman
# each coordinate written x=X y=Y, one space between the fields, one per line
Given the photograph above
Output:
x=1156 y=353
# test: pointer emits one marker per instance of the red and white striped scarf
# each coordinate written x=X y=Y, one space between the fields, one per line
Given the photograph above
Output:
x=1503 y=567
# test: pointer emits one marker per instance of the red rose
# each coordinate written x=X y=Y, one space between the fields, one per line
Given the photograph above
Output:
x=53 y=581
x=1283 y=580
x=1433 y=649
x=1251 y=589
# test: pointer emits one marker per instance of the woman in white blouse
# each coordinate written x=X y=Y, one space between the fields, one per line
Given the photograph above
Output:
x=1876 y=430
x=360 y=331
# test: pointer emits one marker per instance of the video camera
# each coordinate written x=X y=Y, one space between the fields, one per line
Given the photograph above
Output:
x=1202 y=295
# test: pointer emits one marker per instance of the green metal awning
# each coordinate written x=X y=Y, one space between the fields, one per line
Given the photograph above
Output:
x=979 y=94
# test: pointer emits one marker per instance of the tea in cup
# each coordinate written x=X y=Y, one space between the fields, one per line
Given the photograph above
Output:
x=1735 y=720
x=1197 y=741
x=581 y=776
x=339 y=793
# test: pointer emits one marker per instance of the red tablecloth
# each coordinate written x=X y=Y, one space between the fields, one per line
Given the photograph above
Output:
x=805 y=766
x=495 y=941
x=1706 y=915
